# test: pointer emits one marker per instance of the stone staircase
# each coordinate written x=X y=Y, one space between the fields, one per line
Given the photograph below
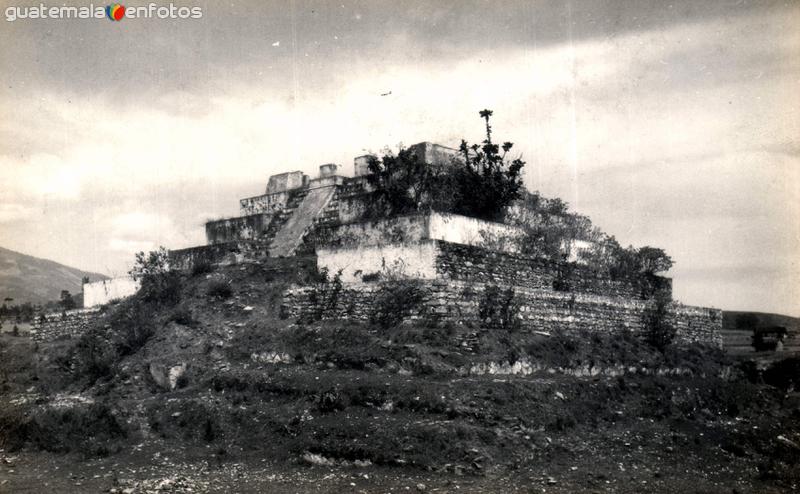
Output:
x=287 y=231
x=280 y=218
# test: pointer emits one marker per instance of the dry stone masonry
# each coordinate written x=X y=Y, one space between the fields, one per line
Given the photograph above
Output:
x=455 y=261
x=459 y=265
x=59 y=325
x=542 y=310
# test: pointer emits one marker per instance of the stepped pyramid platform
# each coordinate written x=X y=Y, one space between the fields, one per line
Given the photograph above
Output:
x=460 y=265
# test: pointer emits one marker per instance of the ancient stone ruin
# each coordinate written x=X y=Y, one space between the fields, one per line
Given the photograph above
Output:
x=436 y=267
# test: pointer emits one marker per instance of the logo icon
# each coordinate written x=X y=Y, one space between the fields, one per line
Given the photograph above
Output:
x=115 y=12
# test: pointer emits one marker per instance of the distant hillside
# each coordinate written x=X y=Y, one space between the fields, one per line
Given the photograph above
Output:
x=732 y=319
x=31 y=279
x=738 y=326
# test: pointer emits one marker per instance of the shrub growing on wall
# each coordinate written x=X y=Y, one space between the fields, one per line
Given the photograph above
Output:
x=498 y=308
x=324 y=297
x=486 y=183
x=548 y=227
x=158 y=283
x=563 y=279
x=659 y=330
x=220 y=289
x=396 y=299
x=403 y=184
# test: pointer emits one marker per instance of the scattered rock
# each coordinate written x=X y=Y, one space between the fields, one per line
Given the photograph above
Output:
x=167 y=377
x=315 y=459
x=788 y=442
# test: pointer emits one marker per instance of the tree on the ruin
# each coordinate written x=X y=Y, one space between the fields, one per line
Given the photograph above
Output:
x=487 y=182
x=481 y=183
x=158 y=282
x=403 y=183
x=659 y=329
x=653 y=260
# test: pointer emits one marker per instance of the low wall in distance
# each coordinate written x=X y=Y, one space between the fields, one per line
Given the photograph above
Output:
x=61 y=325
x=446 y=301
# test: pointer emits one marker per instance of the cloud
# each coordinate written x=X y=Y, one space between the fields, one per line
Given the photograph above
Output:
x=10 y=212
x=40 y=175
x=138 y=231
x=130 y=246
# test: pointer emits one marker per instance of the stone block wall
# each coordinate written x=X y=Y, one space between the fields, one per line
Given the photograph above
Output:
x=434 y=154
x=286 y=181
x=266 y=203
x=437 y=259
x=416 y=260
x=248 y=227
x=351 y=200
x=538 y=310
x=60 y=325
x=218 y=254
x=396 y=230
x=475 y=264
x=415 y=227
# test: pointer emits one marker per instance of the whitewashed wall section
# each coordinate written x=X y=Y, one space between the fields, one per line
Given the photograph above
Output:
x=102 y=292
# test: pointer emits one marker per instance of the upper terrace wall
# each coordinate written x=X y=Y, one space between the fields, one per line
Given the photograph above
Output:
x=248 y=227
x=448 y=227
x=413 y=260
x=286 y=181
x=219 y=254
x=413 y=228
x=437 y=259
x=434 y=154
x=267 y=203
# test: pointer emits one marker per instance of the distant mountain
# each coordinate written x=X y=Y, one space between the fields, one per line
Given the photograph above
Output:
x=733 y=320
x=31 y=279
x=738 y=331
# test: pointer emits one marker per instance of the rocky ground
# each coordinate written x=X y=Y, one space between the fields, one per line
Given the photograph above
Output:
x=210 y=391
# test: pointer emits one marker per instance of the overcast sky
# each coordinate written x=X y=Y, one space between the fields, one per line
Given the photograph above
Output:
x=672 y=124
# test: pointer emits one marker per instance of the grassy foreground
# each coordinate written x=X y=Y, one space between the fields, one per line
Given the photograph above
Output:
x=208 y=390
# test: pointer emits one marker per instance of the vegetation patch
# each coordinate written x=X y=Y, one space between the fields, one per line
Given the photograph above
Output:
x=395 y=300
x=219 y=289
x=499 y=308
x=482 y=182
x=324 y=297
